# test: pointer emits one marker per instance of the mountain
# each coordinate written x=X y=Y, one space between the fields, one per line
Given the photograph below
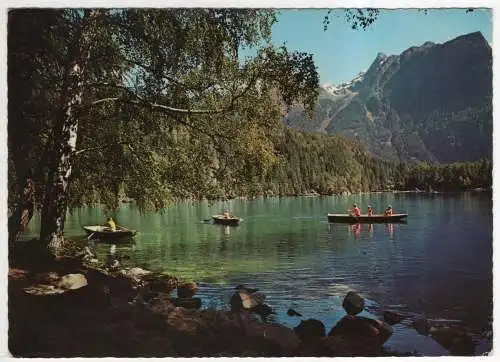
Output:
x=429 y=103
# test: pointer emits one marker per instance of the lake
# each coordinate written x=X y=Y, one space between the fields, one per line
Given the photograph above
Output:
x=438 y=265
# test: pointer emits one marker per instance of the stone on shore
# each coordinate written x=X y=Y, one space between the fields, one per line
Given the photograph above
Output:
x=161 y=283
x=187 y=290
x=353 y=303
x=454 y=339
x=162 y=304
x=309 y=330
x=356 y=328
x=135 y=274
x=72 y=281
x=188 y=303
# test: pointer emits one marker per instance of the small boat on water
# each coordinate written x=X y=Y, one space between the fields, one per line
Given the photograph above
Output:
x=351 y=219
x=223 y=220
x=104 y=233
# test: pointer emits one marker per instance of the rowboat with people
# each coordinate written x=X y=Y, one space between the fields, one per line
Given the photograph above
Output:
x=107 y=234
x=365 y=219
x=226 y=219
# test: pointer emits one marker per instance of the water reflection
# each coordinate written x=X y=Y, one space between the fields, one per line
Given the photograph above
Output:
x=356 y=230
x=389 y=228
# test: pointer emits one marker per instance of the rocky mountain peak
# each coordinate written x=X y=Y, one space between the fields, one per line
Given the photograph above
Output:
x=432 y=102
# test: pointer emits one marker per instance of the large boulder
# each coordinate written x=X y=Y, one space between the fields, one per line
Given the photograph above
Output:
x=136 y=274
x=188 y=303
x=244 y=300
x=161 y=283
x=277 y=340
x=337 y=346
x=310 y=329
x=353 y=303
x=454 y=339
x=187 y=290
x=162 y=304
x=181 y=319
x=357 y=328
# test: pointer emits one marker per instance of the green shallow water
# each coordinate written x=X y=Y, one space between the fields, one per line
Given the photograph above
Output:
x=438 y=265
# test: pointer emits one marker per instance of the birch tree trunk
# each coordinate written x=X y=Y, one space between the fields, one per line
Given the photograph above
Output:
x=56 y=194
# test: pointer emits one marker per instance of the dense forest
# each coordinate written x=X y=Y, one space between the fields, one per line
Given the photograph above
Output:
x=157 y=105
x=317 y=163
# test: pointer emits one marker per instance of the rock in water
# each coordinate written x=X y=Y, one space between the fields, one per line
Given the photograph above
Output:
x=242 y=288
x=422 y=326
x=392 y=317
x=353 y=303
x=454 y=339
x=162 y=284
x=292 y=313
x=244 y=300
x=72 y=281
x=362 y=328
x=263 y=310
x=251 y=300
x=310 y=330
x=187 y=290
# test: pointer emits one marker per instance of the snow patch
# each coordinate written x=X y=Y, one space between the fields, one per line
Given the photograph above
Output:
x=344 y=87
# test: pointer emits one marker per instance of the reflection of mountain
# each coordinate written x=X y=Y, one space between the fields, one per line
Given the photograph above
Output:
x=432 y=102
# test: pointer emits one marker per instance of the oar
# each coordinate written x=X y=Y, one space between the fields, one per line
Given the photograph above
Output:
x=88 y=238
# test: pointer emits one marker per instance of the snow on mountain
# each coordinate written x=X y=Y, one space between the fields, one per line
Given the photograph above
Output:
x=343 y=88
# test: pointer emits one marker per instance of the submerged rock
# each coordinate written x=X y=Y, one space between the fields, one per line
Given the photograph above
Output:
x=422 y=326
x=293 y=313
x=353 y=303
x=392 y=317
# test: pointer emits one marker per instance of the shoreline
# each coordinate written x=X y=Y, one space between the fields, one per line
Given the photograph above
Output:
x=317 y=194
x=136 y=308
x=113 y=315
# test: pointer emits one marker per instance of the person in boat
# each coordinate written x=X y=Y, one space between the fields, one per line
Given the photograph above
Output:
x=369 y=211
x=388 y=211
x=355 y=210
x=110 y=224
x=228 y=215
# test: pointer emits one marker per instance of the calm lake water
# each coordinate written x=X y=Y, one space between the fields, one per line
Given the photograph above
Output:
x=438 y=265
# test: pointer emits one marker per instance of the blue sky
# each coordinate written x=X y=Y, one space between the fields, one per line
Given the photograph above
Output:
x=340 y=53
